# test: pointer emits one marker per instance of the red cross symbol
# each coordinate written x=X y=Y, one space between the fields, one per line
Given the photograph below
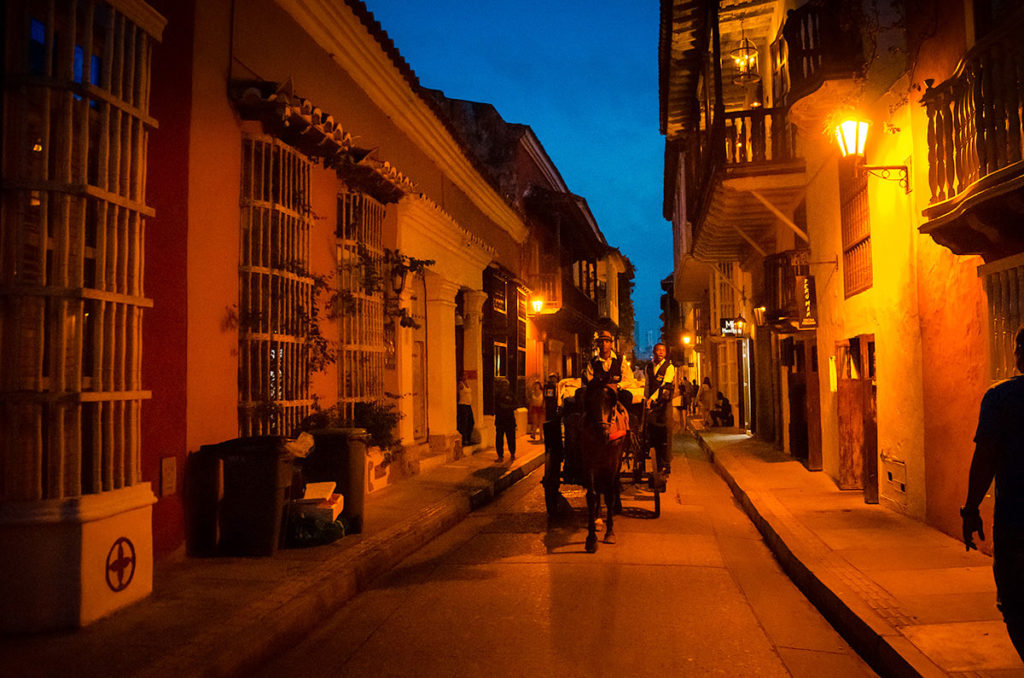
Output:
x=120 y=564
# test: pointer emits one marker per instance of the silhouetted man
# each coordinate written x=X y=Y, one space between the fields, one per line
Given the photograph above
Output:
x=999 y=453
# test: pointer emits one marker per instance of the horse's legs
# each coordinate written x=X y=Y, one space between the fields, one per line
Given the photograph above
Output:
x=610 y=494
x=593 y=507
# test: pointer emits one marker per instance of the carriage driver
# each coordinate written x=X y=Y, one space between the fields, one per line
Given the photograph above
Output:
x=605 y=369
x=660 y=376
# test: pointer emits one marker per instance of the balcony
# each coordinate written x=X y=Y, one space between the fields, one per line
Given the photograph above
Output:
x=818 y=57
x=745 y=170
x=784 y=304
x=975 y=166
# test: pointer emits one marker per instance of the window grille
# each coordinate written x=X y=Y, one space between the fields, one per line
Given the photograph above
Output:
x=856 y=228
x=1004 y=286
x=75 y=133
x=362 y=352
x=276 y=289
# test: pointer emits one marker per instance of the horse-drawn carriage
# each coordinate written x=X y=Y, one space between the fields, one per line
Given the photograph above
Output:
x=599 y=442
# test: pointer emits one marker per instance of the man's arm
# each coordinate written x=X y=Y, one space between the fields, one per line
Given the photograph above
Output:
x=983 y=469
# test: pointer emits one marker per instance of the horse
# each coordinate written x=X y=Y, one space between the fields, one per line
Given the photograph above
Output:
x=601 y=437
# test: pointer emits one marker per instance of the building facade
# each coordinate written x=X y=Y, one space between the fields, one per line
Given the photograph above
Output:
x=217 y=220
x=876 y=291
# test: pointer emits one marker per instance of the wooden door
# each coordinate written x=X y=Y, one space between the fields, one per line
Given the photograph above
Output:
x=858 y=431
x=813 y=398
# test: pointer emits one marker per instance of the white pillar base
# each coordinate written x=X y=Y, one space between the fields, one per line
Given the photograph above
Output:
x=66 y=563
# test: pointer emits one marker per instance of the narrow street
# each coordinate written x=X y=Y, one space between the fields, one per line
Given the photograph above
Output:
x=693 y=592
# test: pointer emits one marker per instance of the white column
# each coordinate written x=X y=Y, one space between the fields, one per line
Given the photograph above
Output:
x=473 y=358
x=442 y=382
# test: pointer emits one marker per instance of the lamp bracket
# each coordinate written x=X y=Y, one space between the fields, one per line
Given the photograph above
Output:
x=831 y=262
x=886 y=172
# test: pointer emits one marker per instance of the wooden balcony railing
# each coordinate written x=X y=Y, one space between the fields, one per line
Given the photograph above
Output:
x=819 y=46
x=739 y=138
x=974 y=117
x=780 y=271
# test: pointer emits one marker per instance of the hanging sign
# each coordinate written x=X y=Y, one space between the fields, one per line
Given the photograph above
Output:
x=807 y=303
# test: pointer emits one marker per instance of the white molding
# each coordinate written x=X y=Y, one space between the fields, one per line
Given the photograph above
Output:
x=336 y=28
x=422 y=216
x=83 y=509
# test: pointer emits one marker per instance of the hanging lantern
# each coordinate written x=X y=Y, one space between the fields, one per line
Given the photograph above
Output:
x=852 y=134
x=745 y=58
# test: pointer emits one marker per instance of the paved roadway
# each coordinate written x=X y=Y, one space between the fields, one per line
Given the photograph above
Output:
x=694 y=592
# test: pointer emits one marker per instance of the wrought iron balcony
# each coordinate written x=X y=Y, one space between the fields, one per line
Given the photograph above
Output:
x=975 y=168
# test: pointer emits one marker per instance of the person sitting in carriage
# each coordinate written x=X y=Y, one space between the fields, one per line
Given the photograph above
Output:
x=660 y=375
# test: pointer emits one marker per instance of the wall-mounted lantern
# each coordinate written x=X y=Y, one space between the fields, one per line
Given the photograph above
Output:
x=852 y=135
x=537 y=304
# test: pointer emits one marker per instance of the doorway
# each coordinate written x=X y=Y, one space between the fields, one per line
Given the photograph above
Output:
x=858 y=421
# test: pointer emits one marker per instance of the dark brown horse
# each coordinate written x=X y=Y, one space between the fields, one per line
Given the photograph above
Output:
x=601 y=439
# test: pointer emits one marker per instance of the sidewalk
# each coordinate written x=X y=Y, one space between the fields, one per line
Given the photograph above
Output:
x=907 y=597
x=222 y=616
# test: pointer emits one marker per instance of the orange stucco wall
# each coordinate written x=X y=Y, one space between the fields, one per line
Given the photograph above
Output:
x=190 y=352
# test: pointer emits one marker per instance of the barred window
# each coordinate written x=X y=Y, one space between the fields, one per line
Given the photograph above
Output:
x=1004 y=286
x=276 y=289
x=75 y=135
x=856 y=227
x=362 y=354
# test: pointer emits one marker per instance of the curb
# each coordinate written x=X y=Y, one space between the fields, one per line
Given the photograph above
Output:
x=290 y=611
x=886 y=650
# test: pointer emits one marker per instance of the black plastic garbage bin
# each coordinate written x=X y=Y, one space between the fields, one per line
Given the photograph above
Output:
x=257 y=472
x=339 y=455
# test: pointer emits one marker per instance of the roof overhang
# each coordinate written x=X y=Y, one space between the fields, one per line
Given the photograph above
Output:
x=737 y=220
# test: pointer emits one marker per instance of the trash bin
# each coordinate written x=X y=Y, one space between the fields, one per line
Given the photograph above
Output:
x=201 y=495
x=339 y=455
x=257 y=473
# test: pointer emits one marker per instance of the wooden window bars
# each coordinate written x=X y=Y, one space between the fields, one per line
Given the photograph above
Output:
x=276 y=289
x=856 y=228
x=1004 y=286
x=361 y=281
x=72 y=213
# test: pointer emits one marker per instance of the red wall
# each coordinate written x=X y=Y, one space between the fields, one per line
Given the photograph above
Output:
x=164 y=326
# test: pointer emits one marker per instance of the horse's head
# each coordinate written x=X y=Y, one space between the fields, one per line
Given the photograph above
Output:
x=599 y=403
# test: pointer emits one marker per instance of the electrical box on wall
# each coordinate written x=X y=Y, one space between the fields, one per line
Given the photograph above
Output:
x=168 y=476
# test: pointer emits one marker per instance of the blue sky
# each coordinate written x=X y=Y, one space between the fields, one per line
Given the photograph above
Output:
x=584 y=76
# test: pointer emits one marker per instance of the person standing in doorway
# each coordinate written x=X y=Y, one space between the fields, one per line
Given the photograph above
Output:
x=504 y=418
x=464 y=412
x=999 y=454
x=659 y=380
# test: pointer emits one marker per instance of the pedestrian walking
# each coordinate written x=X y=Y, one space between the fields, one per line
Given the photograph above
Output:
x=551 y=398
x=504 y=419
x=706 y=400
x=535 y=400
x=998 y=454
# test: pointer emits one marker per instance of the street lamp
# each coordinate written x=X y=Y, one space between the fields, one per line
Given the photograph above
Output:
x=537 y=304
x=686 y=339
x=852 y=135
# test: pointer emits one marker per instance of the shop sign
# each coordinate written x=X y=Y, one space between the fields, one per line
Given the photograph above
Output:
x=733 y=327
x=807 y=303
